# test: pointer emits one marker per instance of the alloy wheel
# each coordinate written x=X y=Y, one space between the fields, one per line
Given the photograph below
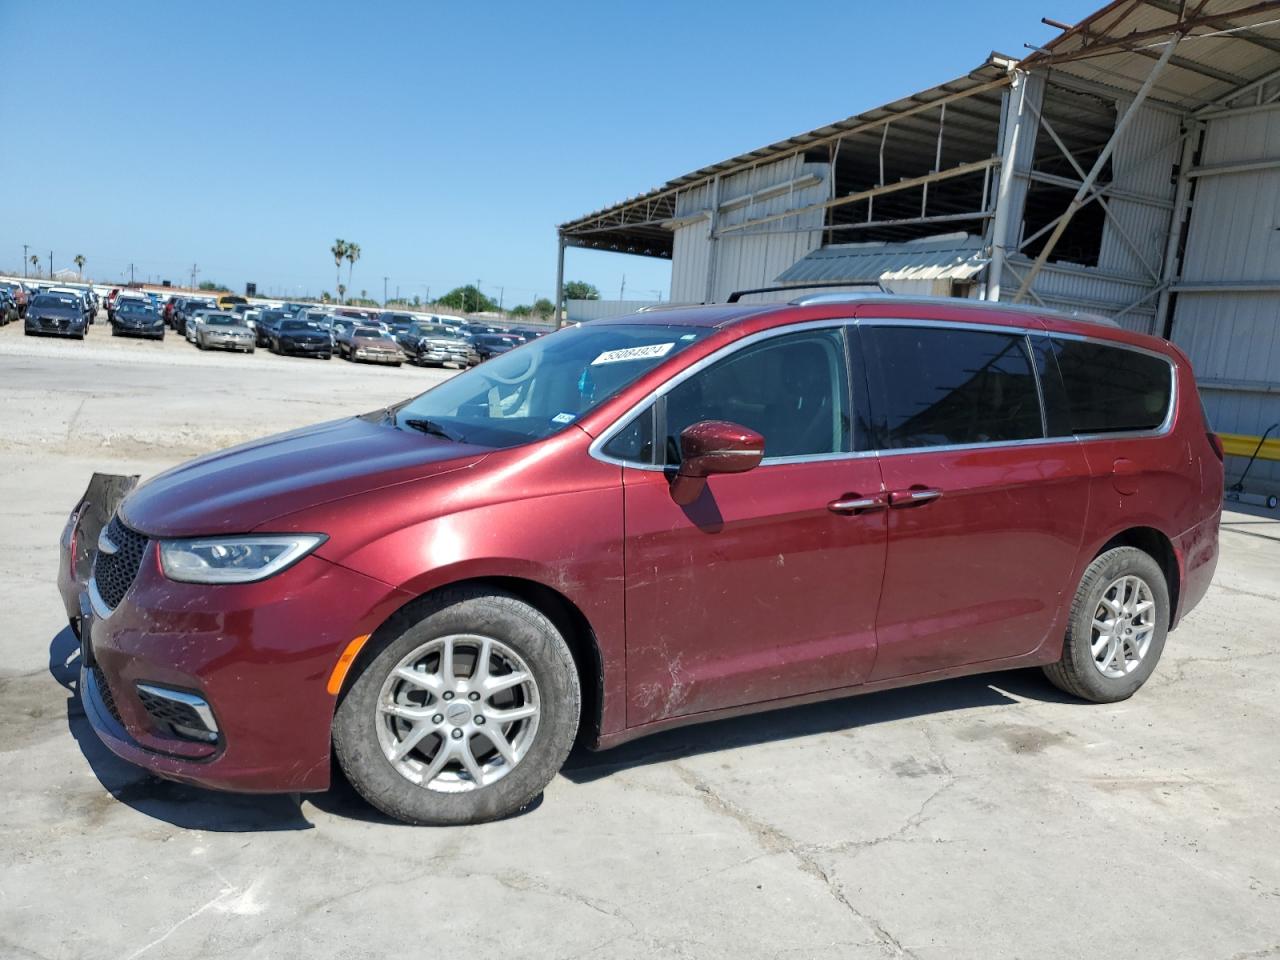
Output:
x=1123 y=627
x=458 y=713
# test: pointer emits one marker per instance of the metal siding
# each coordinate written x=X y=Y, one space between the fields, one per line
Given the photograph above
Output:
x=754 y=258
x=1234 y=337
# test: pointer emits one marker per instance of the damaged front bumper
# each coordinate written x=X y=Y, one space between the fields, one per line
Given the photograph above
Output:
x=221 y=686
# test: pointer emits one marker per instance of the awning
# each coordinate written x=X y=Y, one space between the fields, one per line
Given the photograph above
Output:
x=952 y=256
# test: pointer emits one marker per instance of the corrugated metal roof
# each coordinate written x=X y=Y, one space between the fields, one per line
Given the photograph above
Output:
x=630 y=225
x=955 y=256
x=1228 y=44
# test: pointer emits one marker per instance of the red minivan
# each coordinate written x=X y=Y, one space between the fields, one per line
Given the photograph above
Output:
x=643 y=522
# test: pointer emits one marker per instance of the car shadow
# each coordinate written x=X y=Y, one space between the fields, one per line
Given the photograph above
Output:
x=196 y=808
x=831 y=716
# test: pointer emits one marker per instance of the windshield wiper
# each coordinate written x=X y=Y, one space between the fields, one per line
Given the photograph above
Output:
x=432 y=428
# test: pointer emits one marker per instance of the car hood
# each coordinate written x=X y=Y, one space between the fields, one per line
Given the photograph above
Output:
x=245 y=487
x=374 y=341
x=241 y=328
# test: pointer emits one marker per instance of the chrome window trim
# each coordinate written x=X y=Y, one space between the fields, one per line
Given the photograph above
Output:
x=595 y=450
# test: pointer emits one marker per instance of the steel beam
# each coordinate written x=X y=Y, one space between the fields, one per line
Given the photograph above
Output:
x=1079 y=199
x=907 y=184
x=1177 y=223
x=1013 y=119
x=560 y=285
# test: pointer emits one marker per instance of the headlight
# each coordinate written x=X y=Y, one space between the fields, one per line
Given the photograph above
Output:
x=234 y=559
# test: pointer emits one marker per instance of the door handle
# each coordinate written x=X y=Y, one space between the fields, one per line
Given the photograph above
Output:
x=913 y=498
x=856 y=504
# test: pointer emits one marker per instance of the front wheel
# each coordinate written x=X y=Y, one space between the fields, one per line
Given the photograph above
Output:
x=1117 y=628
x=464 y=713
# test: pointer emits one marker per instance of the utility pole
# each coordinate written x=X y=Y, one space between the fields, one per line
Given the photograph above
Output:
x=622 y=291
x=195 y=272
x=477 y=310
x=50 y=264
x=24 y=261
x=131 y=274
x=502 y=297
x=384 y=291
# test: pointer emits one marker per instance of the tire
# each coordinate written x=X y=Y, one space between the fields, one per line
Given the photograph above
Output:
x=115 y=332
x=1079 y=672
x=360 y=729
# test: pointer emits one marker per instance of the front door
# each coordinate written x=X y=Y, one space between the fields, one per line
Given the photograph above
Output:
x=986 y=512
x=766 y=586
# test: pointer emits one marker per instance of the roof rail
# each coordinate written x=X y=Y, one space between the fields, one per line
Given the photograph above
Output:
x=859 y=289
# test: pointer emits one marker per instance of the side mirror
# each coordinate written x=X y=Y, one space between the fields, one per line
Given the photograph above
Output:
x=713 y=446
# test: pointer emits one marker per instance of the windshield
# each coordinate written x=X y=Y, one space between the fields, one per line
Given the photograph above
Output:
x=367 y=332
x=300 y=325
x=136 y=309
x=47 y=301
x=540 y=388
x=221 y=320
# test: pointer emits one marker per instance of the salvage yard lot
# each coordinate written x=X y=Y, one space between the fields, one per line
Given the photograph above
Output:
x=984 y=817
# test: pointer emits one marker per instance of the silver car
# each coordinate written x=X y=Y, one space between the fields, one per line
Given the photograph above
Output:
x=224 y=331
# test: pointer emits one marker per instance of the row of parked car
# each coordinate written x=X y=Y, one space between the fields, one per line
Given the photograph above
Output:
x=352 y=333
x=230 y=322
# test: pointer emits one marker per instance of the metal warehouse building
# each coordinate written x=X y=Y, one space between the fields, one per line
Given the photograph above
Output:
x=1131 y=167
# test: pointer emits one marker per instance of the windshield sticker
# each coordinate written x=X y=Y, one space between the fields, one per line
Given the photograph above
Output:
x=650 y=352
x=563 y=418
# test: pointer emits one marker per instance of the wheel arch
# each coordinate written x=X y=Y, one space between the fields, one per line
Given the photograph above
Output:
x=563 y=613
x=1159 y=547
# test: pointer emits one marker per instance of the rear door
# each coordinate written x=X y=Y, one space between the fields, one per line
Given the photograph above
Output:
x=986 y=508
x=766 y=586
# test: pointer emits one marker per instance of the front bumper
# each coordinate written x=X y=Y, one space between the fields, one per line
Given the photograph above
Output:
x=61 y=327
x=140 y=329
x=377 y=356
x=230 y=343
x=294 y=346
x=260 y=655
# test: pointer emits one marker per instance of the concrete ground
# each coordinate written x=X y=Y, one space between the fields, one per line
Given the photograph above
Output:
x=988 y=818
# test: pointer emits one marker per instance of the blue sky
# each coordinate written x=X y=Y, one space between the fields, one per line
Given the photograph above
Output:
x=447 y=139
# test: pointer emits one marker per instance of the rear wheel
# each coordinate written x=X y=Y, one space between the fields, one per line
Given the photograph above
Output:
x=465 y=712
x=1117 y=629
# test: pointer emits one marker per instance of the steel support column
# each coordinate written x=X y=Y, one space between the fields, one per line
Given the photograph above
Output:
x=1170 y=269
x=1086 y=186
x=1013 y=118
x=560 y=285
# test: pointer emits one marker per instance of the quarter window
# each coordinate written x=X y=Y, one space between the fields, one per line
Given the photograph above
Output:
x=939 y=386
x=1113 y=389
x=792 y=389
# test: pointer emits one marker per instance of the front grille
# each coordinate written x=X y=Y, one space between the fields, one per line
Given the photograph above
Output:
x=114 y=572
x=104 y=694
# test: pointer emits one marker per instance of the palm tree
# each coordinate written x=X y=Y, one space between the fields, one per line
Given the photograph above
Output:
x=342 y=292
x=79 y=262
x=353 y=254
x=339 y=250
x=35 y=262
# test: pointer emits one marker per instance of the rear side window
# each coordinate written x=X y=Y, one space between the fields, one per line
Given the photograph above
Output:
x=1113 y=389
x=939 y=386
